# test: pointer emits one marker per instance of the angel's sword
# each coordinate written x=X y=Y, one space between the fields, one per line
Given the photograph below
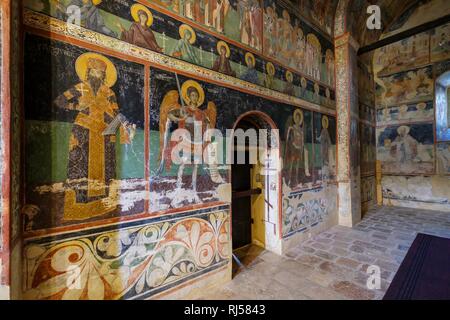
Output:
x=179 y=89
x=166 y=134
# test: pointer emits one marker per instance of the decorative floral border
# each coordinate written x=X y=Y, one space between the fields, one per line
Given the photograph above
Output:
x=127 y=262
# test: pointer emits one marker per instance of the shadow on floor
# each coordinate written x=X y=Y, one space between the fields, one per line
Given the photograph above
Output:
x=248 y=256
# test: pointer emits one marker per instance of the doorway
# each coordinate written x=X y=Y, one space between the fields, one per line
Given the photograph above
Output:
x=256 y=191
x=248 y=201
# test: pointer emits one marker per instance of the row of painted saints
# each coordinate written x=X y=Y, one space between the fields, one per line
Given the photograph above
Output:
x=291 y=46
x=287 y=43
x=296 y=156
x=216 y=14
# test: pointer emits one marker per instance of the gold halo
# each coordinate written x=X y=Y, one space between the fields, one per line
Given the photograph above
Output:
x=183 y=29
x=221 y=44
x=250 y=56
x=325 y=122
x=96 y=2
x=135 y=8
x=421 y=106
x=270 y=68
x=401 y=128
x=289 y=76
x=192 y=84
x=313 y=40
x=81 y=66
x=316 y=88
x=304 y=83
x=298 y=112
x=300 y=33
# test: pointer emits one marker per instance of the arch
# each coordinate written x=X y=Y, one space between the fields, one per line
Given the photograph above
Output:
x=258 y=118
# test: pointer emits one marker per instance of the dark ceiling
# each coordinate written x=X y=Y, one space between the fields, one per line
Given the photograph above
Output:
x=393 y=14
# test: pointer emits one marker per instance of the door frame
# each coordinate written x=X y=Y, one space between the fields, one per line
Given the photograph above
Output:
x=272 y=227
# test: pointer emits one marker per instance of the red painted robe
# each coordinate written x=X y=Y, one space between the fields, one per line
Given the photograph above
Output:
x=222 y=65
x=199 y=116
x=141 y=36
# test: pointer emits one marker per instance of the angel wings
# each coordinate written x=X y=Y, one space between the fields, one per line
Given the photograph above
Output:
x=171 y=111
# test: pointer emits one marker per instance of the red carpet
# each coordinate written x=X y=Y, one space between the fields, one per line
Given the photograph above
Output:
x=425 y=272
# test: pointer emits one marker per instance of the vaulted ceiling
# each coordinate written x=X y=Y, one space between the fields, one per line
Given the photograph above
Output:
x=393 y=14
x=322 y=14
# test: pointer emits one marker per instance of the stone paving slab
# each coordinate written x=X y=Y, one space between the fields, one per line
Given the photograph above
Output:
x=334 y=264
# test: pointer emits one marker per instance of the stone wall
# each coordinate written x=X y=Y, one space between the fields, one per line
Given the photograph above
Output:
x=367 y=122
x=414 y=161
x=107 y=215
x=2 y=295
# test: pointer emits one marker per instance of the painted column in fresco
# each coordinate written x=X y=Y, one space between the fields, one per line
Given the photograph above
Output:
x=348 y=166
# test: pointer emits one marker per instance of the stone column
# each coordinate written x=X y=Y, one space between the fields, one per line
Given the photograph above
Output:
x=4 y=150
x=348 y=143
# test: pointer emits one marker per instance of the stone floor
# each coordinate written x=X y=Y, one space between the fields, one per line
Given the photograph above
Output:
x=333 y=264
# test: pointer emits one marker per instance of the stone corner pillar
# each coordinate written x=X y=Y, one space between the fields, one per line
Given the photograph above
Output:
x=348 y=143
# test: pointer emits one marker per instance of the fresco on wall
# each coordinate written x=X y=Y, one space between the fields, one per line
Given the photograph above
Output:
x=367 y=113
x=84 y=142
x=410 y=86
x=406 y=149
x=442 y=100
x=415 y=112
x=355 y=156
x=399 y=56
x=297 y=156
x=368 y=190
x=320 y=12
x=418 y=192
x=443 y=158
x=1 y=137
x=153 y=30
x=366 y=84
x=324 y=148
x=415 y=15
x=238 y=20
x=86 y=118
x=368 y=149
x=305 y=210
x=135 y=262
x=296 y=45
x=406 y=120
x=440 y=43
x=177 y=103
x=176 y=185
